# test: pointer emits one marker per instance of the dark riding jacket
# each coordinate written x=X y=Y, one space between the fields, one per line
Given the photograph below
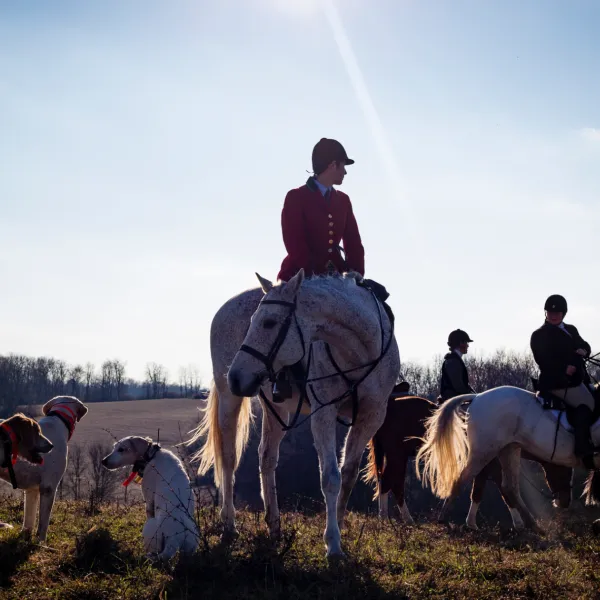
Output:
x=554 y=349
x=313 y=227
x=455 y=377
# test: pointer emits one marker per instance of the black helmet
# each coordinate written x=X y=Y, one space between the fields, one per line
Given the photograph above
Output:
x=458 y=337
x=556 y=303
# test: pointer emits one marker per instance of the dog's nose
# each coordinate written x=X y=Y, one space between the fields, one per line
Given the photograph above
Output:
x=45 y=447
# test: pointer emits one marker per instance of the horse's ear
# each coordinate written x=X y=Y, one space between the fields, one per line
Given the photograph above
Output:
x=293 y=285
x=265 y=284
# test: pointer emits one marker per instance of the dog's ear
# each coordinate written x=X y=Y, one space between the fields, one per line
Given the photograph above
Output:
x=81 y=410
x=27 y=430
x=46 y=408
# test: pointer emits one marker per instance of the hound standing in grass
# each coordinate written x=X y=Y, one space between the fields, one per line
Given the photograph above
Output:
x=170 y=524
x=40 y=482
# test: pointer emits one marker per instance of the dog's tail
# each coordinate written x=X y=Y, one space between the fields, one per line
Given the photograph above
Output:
x=211 y=453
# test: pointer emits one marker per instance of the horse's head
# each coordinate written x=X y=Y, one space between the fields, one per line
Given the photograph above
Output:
x=273 y=341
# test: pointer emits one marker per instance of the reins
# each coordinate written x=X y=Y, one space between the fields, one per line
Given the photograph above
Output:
x=304 y=382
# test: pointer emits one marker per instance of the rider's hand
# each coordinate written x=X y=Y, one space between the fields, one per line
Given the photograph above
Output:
x=571 y=369
x=581 y=352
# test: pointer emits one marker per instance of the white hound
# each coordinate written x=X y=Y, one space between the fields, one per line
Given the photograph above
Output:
x=170 y=524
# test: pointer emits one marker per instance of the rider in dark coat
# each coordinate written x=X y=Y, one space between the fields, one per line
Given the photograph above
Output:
x=455 y=377
x=559 y=351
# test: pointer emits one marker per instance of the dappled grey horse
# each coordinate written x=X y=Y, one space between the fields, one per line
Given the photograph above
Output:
x=328 y=325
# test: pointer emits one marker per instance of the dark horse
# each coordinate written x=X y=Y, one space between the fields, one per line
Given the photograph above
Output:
x=399 y=438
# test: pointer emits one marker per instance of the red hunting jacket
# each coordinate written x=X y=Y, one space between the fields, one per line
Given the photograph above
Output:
x=313 y=227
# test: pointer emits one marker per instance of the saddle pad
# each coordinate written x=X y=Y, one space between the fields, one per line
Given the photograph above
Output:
x=564 y=423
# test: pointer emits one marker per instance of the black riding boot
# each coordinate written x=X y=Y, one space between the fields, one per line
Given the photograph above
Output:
x=582 y=421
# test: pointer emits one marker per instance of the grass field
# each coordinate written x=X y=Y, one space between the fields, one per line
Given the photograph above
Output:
x=99 y=556
x=95 y=552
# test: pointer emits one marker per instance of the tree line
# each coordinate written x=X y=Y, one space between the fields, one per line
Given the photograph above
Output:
x=26 y=380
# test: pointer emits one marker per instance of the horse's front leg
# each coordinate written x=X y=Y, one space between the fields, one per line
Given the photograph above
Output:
x=370 y=418
x=268 y=457
x=229 y=410
x=323 y=430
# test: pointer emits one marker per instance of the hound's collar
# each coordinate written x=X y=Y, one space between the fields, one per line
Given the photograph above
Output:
x=137 y=472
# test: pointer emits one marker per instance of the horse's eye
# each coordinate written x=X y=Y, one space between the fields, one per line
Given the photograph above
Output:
x=120 y=450
x=269 y=323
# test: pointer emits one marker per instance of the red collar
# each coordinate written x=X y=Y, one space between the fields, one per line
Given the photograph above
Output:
x=14 y=442
x=66 y=414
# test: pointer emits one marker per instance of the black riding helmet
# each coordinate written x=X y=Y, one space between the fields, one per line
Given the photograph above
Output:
x=458 y=337
x=556 y=303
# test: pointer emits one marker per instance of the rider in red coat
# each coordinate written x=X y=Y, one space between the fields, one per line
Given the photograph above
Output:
x=316 y=218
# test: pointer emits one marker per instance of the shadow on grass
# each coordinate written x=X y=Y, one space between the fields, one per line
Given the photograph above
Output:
x=253 y=566
x=98 y=551
x=14 y=551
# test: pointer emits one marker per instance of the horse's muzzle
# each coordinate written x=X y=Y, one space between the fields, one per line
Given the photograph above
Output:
x=242 y=384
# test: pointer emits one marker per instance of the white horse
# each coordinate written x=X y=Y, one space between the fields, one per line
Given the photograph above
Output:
x=294 y=321
x=499 y=422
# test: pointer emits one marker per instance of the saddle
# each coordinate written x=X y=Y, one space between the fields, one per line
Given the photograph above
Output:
x=550 y=401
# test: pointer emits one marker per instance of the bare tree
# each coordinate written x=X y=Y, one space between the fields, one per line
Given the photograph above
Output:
x=74 y=476
x=102 y=481
x=76 y=374
x=156 y=380
x=118 y=372
x=89 y=380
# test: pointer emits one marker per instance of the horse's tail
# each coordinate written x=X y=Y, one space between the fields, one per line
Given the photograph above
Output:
x=211 y=453
x=374 y=466
x=445 y=448
x=591 y=490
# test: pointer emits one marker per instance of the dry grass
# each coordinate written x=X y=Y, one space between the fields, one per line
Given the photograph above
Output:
x=100 y=556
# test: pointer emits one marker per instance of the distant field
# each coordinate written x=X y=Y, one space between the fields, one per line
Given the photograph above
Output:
x=107 y=422
x=174 y=417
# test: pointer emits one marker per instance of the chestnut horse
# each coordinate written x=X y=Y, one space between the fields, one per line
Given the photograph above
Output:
x=399 y=439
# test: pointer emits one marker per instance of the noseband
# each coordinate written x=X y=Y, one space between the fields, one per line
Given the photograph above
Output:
x=268 y=359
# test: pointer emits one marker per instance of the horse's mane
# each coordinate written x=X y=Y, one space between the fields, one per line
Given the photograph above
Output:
x=334 y=279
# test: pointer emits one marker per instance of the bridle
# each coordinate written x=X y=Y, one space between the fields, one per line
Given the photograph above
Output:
x=303 y=381
x=268 y=359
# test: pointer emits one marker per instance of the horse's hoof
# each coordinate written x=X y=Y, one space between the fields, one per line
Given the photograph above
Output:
x=472 y=526
x=537 y=529
x=596 y=527
x=229 y=536
x=334 y=558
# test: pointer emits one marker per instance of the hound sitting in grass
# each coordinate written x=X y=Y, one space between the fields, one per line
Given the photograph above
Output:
x=170 y=524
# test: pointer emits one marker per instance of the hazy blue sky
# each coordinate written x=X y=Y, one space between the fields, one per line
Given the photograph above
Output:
x=146 y=149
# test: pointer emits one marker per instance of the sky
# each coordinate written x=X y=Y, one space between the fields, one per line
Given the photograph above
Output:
x=146 y=149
